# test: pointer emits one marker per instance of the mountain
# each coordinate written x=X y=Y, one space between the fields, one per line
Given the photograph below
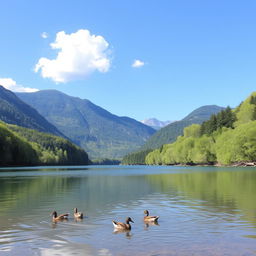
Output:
x=155 y=123
x=100 y=133
x=15 y=111
x=169 y=133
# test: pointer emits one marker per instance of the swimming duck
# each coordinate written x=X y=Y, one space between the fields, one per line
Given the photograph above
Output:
x=55 y=217
x=123 y=226
x=77 y=214
x=148 y=218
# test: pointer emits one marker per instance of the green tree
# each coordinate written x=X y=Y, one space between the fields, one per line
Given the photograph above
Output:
x=192 y=131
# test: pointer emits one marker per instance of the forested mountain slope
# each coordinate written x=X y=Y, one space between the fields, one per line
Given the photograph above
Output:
x=15 y=111
x=100 y=133
x=22 y=146
x=169 y=133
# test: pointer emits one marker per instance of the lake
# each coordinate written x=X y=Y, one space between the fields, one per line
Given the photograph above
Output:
x=203 y=210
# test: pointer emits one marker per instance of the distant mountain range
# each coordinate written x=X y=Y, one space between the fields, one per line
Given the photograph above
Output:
x=97 y=131
x=169 y=133
x=155 y=123
x=100 y=133
x=15 y=111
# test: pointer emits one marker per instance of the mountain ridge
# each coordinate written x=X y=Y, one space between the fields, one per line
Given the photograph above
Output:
x=15 y=111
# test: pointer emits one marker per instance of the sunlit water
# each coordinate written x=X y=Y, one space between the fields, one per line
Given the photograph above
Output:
x=203 y=210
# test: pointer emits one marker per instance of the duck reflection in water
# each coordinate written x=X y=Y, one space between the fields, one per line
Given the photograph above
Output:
x=127 y=233
x=152 y=223
x=78 y=219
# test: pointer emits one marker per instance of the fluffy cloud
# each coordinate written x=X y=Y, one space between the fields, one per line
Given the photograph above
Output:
x=138 y=64
x=10 y=84
x=79 y=54
x=44 y=35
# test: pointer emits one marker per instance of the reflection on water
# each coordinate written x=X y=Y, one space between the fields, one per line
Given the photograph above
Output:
x=203 y=211
x=228 y=191
x=147 y=225
x=128 y=234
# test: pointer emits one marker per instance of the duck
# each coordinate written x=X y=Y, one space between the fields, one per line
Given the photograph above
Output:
x=78 y=215
x=148 y=218
x=61 y=217
x=123 y=226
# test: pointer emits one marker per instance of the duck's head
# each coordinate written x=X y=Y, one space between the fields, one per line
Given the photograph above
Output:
x=54 y=214
x=146 y=212
x=129 y=220
x=75 y=210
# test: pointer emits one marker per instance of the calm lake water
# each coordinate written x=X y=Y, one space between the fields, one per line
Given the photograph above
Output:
x=203 y=210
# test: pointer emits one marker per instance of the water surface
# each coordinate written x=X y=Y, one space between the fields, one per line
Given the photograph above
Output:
x=203 y=210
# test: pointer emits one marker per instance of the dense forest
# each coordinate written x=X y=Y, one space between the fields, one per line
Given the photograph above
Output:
x=136 y=157
x=105 y=161
x=22 y=146
x=228 y=137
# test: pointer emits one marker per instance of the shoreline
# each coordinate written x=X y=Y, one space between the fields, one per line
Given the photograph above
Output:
x=237 y=164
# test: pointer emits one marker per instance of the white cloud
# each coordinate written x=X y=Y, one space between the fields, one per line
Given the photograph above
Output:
x=44 y=35
x=10 y=84
x=138 y=64
x=79 y=54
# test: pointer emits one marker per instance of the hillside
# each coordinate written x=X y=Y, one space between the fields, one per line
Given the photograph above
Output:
x=22 y=146
x=169 y=133
x=226 y=138
x=100 y=133
x=15 y=111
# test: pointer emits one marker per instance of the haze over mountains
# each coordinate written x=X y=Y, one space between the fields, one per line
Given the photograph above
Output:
x=100 y=133
x=155 y=123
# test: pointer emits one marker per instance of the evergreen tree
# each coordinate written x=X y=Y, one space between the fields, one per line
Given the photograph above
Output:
x=225 y=118
x=253 y=100
x=254 y=114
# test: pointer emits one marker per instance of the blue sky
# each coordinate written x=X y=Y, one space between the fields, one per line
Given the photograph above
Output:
x=189 y=53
